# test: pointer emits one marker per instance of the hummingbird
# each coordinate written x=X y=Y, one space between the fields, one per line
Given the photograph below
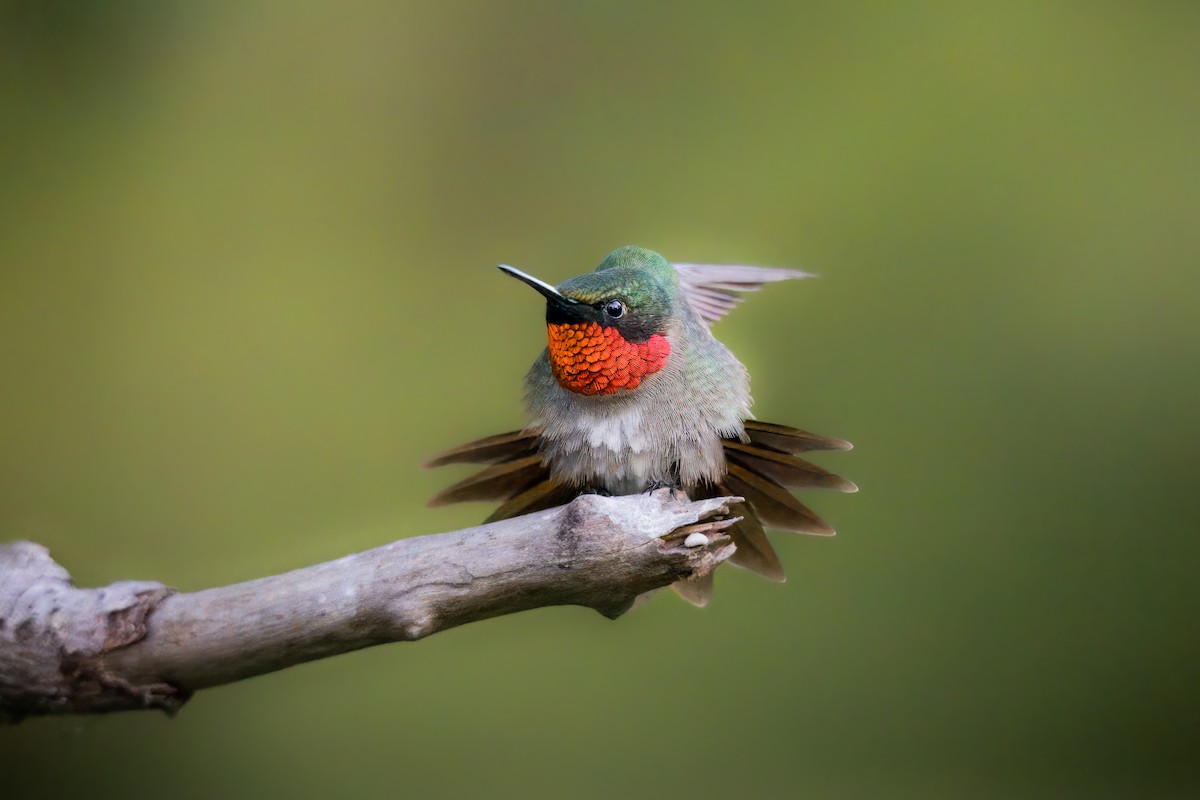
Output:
x=633 y=392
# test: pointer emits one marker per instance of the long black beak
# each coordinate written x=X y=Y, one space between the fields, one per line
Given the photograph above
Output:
x=541 y=286
x=555 y=301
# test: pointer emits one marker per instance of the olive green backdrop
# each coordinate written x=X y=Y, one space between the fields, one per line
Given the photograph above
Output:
x=247 y=285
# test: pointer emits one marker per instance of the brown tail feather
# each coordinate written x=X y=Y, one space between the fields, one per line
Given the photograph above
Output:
x=783 y=468
x=697 y=591
x=502 y=447
x=754 y=551
x=775 y=505
x=791 y=440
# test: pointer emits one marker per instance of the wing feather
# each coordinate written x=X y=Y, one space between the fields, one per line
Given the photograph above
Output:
x=497 y=482
x=501 y=447
x=714 y=289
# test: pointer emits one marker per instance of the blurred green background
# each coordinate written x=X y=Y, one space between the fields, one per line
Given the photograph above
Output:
x=247 y=285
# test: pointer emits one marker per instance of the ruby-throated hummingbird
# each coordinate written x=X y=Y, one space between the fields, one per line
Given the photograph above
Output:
x=633 y=392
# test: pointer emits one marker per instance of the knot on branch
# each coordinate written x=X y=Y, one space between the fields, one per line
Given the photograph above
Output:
x=56 y=638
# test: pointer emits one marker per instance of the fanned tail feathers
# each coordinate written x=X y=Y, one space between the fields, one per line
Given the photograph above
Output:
x=763 y=471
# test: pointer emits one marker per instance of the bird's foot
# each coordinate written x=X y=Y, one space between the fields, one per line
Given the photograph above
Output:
x=673 y=490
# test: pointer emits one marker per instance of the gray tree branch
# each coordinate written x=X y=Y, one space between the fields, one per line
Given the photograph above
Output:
x=139 y=644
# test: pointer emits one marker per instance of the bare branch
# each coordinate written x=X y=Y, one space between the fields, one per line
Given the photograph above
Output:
x=138 y=644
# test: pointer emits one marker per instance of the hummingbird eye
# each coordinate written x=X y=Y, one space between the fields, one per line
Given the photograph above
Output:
x=615 y=309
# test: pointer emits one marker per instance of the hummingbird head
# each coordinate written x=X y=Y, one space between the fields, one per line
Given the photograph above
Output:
x=606 y=329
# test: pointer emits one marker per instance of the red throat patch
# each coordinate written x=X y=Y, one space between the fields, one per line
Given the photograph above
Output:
x=589 y=359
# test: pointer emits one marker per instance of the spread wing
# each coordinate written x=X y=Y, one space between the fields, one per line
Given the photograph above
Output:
x=515 y=476
x=713 y=289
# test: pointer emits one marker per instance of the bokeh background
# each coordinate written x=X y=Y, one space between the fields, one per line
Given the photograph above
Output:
x=246 y=286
